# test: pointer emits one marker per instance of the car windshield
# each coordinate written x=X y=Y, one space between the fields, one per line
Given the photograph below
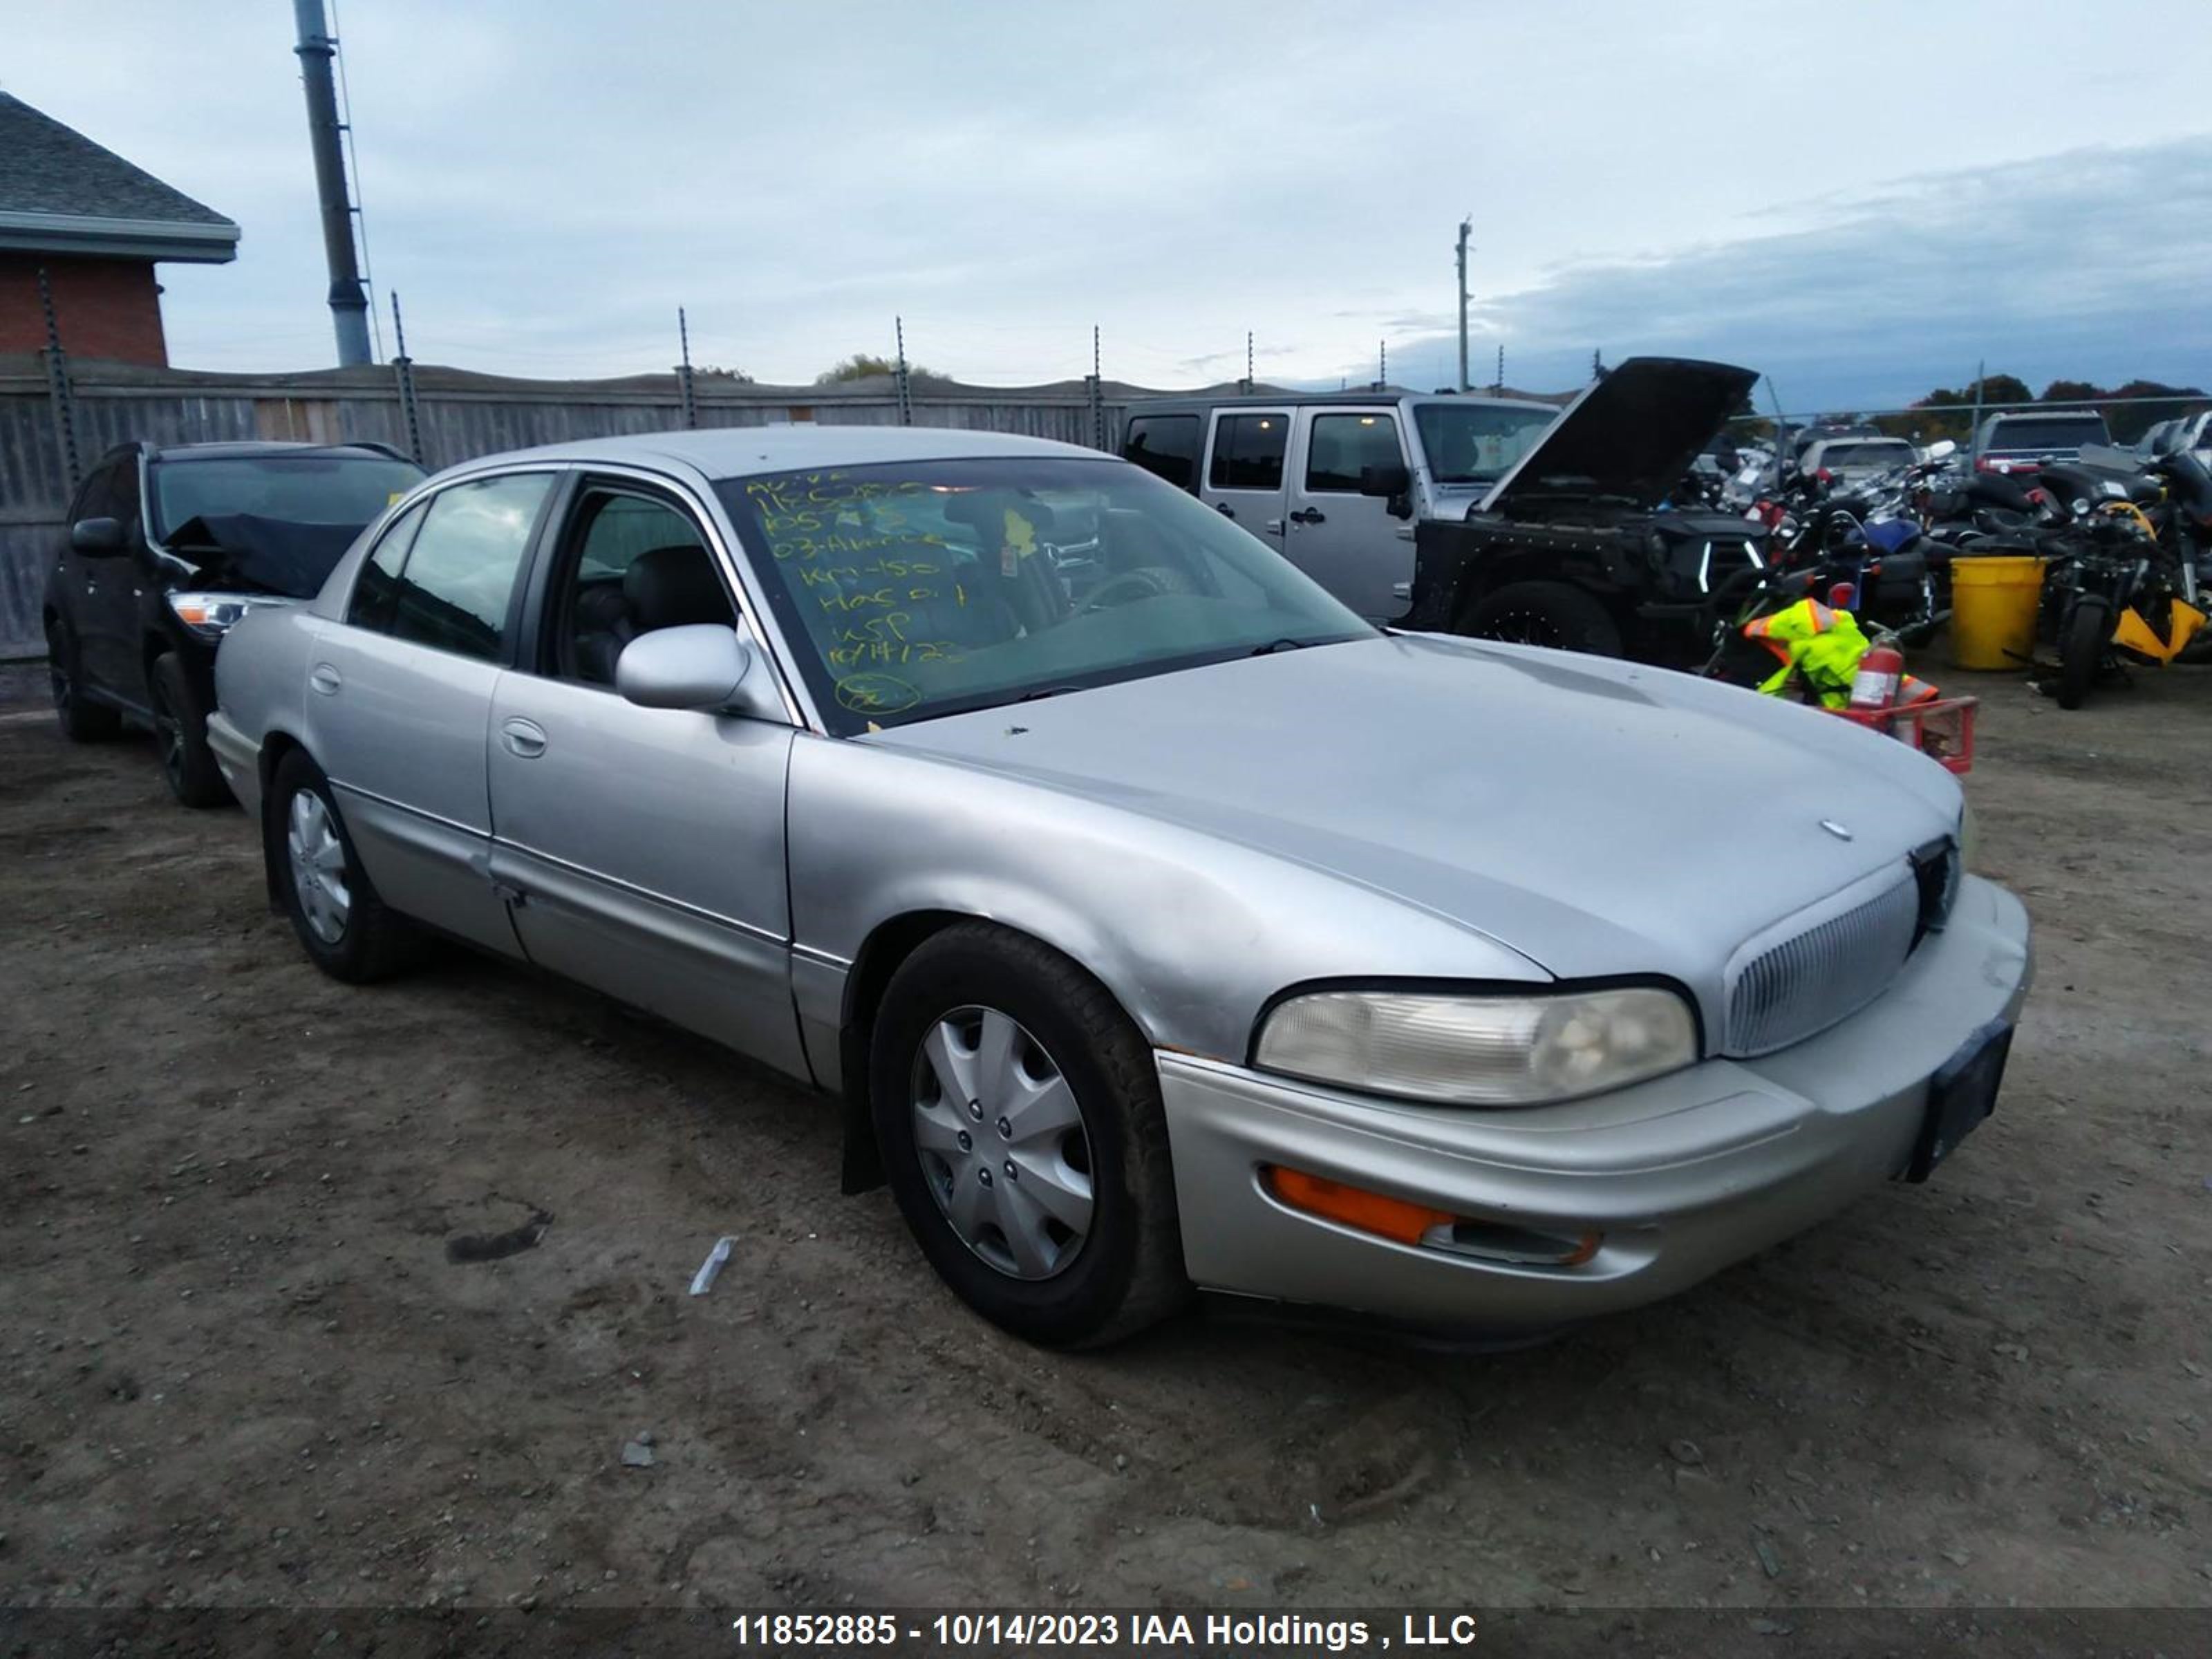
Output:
x=917 y=589
x=1477 y=443
x=307 y=488
x=2045 y=433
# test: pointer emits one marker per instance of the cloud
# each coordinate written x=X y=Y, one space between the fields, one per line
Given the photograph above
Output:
x=2087 y=264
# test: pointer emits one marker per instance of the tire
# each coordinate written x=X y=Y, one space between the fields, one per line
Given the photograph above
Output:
x=181 y=728
x=1546 y=613
x=2081 y=650
x=81 y=722
x=370 y=940
x=1072 y=1049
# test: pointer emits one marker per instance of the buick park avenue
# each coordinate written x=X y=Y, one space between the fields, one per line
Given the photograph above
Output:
x=1156 y=924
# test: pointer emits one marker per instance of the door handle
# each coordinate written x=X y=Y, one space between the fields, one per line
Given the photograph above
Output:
x=1309 y=516
x=522 y=737
x=1224 y=509
x=326 y=680
x=1275 y=526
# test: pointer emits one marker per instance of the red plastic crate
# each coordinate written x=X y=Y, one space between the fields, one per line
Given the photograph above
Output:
x=1942 y=730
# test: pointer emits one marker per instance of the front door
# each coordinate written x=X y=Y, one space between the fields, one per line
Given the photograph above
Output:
x=399 y=695
x=1243 y=477
x=1347 y=541
x=645 y=846
x=107 y=611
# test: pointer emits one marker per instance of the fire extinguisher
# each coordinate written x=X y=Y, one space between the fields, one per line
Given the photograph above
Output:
x=1881 y=672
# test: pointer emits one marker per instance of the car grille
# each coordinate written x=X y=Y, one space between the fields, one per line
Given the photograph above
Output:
x=1782 y=992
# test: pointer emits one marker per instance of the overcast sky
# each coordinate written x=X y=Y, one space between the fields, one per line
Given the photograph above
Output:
x=1862 y=199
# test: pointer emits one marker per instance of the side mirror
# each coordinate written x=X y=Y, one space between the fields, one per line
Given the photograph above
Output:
x=700 y=665
x=98 y=537
x=1385 y=481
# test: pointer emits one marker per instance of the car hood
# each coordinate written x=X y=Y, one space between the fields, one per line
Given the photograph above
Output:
x=1595 y=817
x=275 y=555
x=1630 y=436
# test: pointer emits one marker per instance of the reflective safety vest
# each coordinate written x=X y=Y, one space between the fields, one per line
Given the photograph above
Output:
x=1820 y=647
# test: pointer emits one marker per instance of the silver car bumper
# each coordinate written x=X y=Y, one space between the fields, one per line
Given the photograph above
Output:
x=240 y=760
x=1681 y=1176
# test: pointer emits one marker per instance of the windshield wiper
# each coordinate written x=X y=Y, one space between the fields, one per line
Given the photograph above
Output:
x=1273 y=645
x=1044 y=691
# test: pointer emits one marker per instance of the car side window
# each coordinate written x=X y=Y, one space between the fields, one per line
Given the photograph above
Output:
x=376 y=585
x=633 y=563
x=458 y=583
x=1247 y=451
x=1165 y=445
x=1340 y=446
x=122 y=498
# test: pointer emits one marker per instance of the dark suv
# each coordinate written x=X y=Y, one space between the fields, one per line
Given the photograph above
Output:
x=165 y=548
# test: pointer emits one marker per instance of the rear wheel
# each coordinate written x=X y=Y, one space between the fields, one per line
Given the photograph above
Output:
x=180 y=727
x=81 y=721
x=346 y=930
x=1546 y=613
x=1018 y=1113
x=2081 y=650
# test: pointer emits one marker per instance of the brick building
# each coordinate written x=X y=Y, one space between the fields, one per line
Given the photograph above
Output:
x=97 y=225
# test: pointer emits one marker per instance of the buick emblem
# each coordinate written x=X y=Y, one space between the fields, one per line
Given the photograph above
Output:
x=1835 y=829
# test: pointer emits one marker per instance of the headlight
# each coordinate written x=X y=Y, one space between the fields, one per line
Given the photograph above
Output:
x=211 y=616
x=1480 y=1050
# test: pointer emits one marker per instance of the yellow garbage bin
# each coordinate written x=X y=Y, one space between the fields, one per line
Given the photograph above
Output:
x=1994 y=602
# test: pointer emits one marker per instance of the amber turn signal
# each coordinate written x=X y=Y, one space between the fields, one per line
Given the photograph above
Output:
x=1355 y=1206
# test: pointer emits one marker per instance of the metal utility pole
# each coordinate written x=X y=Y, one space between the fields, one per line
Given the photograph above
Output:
x=348 y=300
x=684 y=370
x=1382 y=364
x=1098 y=396
x=1498 y=385
x=59 y=392
x=402 y=371
x=905 y=400
x=1465 y=225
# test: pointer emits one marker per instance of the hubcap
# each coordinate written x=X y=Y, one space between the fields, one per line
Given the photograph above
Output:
x=319 y=873
x=1002 y=1142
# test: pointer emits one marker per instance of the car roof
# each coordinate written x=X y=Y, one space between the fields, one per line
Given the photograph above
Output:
x=740 y=451
x=247 y=451
x=1336 y=399
x=2044 y=415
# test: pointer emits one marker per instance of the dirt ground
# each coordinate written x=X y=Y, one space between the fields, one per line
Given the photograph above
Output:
x=241 y=1369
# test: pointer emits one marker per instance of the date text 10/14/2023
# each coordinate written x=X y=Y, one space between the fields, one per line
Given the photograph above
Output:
x=1246 y=1632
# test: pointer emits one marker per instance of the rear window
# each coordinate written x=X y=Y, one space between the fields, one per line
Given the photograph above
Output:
x=2041 y=432
x=1165 y=445
x=308 y=488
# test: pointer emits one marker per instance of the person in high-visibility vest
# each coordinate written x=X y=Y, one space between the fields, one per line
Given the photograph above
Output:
x=1819 y=647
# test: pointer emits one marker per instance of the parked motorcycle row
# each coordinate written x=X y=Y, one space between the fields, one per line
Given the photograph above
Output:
x=2124 y=543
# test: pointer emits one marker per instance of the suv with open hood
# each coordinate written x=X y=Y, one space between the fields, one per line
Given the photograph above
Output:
x=1579 y=545
x=165 y=548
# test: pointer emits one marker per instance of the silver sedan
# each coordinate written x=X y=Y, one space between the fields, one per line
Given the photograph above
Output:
x=1157 y=923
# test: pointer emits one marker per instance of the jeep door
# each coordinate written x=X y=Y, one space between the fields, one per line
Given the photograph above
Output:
x=1347 y=541
x=1243 y=477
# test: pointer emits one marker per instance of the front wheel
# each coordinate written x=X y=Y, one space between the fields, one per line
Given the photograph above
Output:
x=1018 y=1113
x=1546 y=613
x=181 y=728
x=2081 y=650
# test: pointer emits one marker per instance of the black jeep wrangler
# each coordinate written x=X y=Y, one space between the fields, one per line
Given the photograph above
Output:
x=1578 y=546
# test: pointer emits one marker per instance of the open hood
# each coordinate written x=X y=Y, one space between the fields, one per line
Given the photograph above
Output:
x=273 y=554
x=1627 y=439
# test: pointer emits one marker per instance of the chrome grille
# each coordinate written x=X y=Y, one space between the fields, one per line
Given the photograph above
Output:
x=1783 y=992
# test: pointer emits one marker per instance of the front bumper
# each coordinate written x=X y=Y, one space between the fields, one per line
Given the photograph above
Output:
x=1681 y=1176
x=240 y=760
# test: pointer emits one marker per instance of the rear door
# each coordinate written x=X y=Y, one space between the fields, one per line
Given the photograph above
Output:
x=399 y=697
x=644 y=847
x=1243 y=478
x=1347 y=541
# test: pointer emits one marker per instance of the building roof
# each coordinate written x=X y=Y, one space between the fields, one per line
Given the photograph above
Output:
x=62 y=193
